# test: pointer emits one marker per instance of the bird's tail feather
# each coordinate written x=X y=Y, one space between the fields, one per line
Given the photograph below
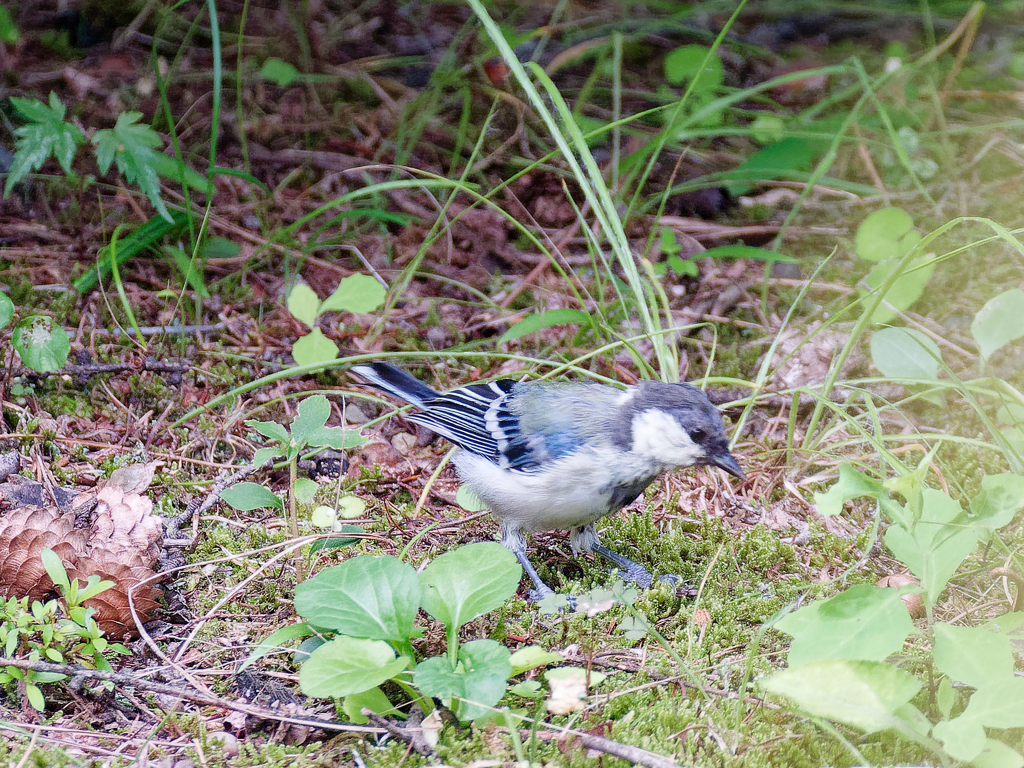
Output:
x=396 y=381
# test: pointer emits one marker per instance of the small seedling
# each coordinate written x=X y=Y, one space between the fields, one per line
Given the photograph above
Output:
x=355 y=293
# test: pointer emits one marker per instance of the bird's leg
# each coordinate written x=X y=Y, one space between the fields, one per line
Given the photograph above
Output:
x=585 y=539
x=514 y=541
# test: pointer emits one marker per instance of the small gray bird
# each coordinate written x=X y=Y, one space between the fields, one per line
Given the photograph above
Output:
x=561 y=455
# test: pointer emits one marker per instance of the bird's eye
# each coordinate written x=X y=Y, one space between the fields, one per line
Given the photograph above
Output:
x=697 y=435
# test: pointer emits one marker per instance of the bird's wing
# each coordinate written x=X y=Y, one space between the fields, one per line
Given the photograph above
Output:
x=463 y=416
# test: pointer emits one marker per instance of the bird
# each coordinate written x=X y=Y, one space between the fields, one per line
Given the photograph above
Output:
x=557 y=455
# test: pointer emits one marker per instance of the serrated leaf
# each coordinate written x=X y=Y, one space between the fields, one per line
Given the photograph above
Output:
x=356 y=293
x=46 y=134
x=468 y=582
x=130 y=146
x=536 y=322
x=999 y=322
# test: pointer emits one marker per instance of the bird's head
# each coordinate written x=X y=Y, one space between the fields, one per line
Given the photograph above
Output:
x=675 y=425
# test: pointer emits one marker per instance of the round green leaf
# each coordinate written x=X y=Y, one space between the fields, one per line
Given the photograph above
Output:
x=999 y=322
x=371 y=597
x=6 y=310
x=42 y=344
x=303 y=303
x=348 y=665
x=879 y=235
x=905 y=353
x=356 y=293
x=314 y=347
x=685 y=62
x=249 y=496
x=468 y=582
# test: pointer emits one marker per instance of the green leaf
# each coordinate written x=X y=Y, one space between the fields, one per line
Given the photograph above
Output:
x=687 y=62
x=535 y=322
x=176 y=170
x=348 y=665
x=35 y=696
x=881 y=235
x=995 y=754
x=333 y=542
x=780 y=159
x=55 y=569
x=131 y=147
x=46 y=134
x=999 y=322
x=42 y=344
x=468 y=582
x=246 y=497
x=850 y=485
x=905 y=353
x=862 y=694
x=305 y=490
x=996 y=705
x=264 y=455
x=945 y=697
x=6 y=310
x=933 y=550
x=1000 y=499
x=531 y=657
x=972 y=655
x=278 y=71
x=746 y=252
x=304 y=304
x=338 y=438
x=276 y=641
x=864 y=622
x=313 y=413
x=356 y=293
x=314 y=347
x=350 y=507
x=905 y=291
x=479 y=681
x=373 y=699
x=189 y=269
x=370 y=597
x=9 y=34
x=270 y=429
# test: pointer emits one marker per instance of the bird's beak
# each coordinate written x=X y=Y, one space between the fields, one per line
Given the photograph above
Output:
x=729 y=464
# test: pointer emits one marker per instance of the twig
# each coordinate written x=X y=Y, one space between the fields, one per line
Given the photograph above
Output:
x=411 y=734
x=196 y=507
x=75 y=672
x=634 y=755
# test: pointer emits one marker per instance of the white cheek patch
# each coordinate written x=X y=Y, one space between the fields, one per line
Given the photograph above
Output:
x=661 y=438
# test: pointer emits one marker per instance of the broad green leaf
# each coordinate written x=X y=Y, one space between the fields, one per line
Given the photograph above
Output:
x=1000 y=499
x=864 y=622
x=972 y=655
x=323 y=517
x=6 y=310
x=778 y=160
x=337 y=438
x=347 y=665
x=767 y=129
x=687 y=62
x=249 y=496
x=46 y=134
x=276 y=640
x=278 y=71
x=995 y=705
x=746 y=252
x=468 y=582
x=35 y=696
x=305 y=490
x=314 y=347
x=999 y=322
x=42 y=344
x=131 y=147
x=313 y=412
x=371 y=597
x=479 y=681
x=905 y=353
x=304 y=304
x=264 y=455
x=862 y=694
x=995 y=754
x=531 y=657
x=270 y=429
x=905 y=291
x=541 y=320
x=881 y=235
x=356 y=293
x=933 y=550
x=962 y=737
x=373 y=699
x=55 y=569
x=350 y=507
